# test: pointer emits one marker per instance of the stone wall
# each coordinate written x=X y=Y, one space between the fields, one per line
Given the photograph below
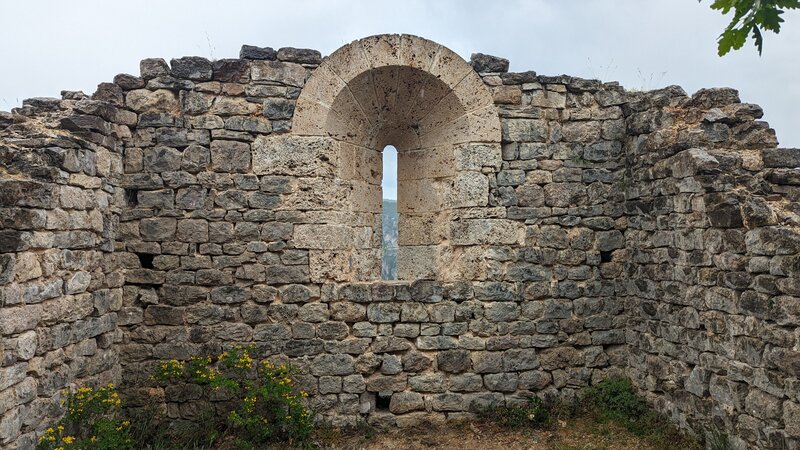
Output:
x=59 y=285
x=714 y=265
x=553 y=231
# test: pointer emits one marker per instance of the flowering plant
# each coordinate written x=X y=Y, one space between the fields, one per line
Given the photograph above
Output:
x=268 y=407
x=92 y=420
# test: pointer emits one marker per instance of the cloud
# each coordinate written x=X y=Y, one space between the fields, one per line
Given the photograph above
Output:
x=53 y=45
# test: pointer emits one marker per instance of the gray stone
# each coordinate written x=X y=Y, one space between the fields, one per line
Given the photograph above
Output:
x=278 y=108
x=190 y=198
x=697 y=382
x=161 y=159
x=230 y=156
x=191 y=67
x=515 y=360
x=152 y=68
x=157 y=229
x=504 y=382
x=260 y=53
x=454 y=361
x=78 y=282
x=416 y=362
x=299 y=55
x=403 y=402
x=781 y=157
x=467 y=382
x=384 y=312
x=502 y=311
x=488 y=63
x=228 y=294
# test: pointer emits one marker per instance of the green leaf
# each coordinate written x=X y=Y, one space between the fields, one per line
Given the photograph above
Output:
x=759 y=41
x=749 y=18
x=731 y=39
x=724 y=5
x=772 y=19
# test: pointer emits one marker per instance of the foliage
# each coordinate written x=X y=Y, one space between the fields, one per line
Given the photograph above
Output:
x=717 y=441
x=92 y=420
x=535 y=413
x=749 y=18
x=268 y=408
x=615 y=400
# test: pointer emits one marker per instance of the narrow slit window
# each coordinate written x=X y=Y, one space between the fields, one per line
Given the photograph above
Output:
x=389 y=214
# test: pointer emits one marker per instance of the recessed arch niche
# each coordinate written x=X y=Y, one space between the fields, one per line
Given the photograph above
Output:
x=427 y=102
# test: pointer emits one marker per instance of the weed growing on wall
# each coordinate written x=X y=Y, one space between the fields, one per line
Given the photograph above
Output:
x=92 y=421
x=614 y=399
x=268 y=407
x=534 y=413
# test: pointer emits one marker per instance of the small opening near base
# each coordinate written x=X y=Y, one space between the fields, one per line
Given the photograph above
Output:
x=382 y=401
x=146 y=260
x=606 y=256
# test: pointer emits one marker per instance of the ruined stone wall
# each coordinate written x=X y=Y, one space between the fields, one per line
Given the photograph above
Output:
x=238 y=230
x=60 y=288
x=553 y=231
x=713 y=265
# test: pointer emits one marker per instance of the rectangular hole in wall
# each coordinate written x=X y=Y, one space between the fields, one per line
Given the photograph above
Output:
x=389 y=214
x=131 y=197
x=382 y=401
x=146 y=260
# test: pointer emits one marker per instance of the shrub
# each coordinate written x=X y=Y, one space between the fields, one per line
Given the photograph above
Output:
x=614 y=399
x=92 y=420
x=267 y=409
x=534 y=413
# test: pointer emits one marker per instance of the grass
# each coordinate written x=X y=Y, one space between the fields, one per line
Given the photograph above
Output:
x=608 y=406
x=608 y=415
x=614 y=400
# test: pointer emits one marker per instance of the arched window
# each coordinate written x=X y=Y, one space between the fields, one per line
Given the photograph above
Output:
x=428 y=103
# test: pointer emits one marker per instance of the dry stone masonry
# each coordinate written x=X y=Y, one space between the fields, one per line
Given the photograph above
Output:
x=553 y=231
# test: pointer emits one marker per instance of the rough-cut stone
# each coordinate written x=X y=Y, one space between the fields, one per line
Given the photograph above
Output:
x=230 y=156
x=253 y=52
x=299 y=55
x=559 y=231
x=191 y=67
x=487 y=63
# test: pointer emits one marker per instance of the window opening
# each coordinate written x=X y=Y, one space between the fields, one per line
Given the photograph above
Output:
x=389 y=214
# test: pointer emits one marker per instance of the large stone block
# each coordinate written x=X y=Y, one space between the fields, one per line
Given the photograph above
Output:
x=287 y=73
x=403 y=402
x=525 y=130
x=486 y=231
x=157 y=229
x=323 y=237
x=143 y=100
x=230 y=156
x=295 y=156
x=191 y=67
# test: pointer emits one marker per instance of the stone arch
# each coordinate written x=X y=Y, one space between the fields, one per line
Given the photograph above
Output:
x=429 y=103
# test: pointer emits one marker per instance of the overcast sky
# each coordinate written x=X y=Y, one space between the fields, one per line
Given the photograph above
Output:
x=53 y=45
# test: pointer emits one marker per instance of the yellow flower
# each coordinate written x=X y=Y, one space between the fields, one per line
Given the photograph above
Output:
x=50 y=430
x=69 y=439
x=60 y=428
x=93 y=439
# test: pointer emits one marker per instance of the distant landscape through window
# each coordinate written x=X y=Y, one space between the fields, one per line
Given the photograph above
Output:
x=389 y=219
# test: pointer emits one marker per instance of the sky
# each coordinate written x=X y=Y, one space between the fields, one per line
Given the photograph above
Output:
x=52 y=45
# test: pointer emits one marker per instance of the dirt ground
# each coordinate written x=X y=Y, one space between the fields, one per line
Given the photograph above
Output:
x=578 y=434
